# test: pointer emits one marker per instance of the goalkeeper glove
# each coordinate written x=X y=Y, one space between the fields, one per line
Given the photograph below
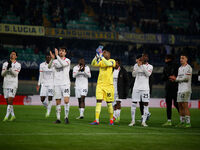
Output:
x=99 y=50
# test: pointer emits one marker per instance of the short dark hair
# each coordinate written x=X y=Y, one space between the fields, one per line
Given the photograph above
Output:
x=118 y=60
x=169 y=56
x=14 y=52
x=184 y=54
x=47 y=54
x=138 y=56
x=63 y=48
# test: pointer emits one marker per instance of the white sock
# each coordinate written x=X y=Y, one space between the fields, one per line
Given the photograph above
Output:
x=8 y=111
x=187 y=119
x=66 y=106
x=145 y=113
x=169 y=120
x=49 y=107
x=58 y=110
x=12 y=110
x=45 y=104
x=115 y=114
x=133 y=110
x=81 y=112
x=118 y=112
x=182 y=119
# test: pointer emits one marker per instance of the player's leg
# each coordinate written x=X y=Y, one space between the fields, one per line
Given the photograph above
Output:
x=115 y=106
x=118 y=110
x=66 y=94
x=9 y=95
x=145 y=99
x=135 y=99
x=168 y=109
x=175 y=101
x=181 y=110
x=82 y=106
x=141 y=107
x=187 y=114
x=99 y=97
x=110 y=111
x=43 y=94
x=50 y=97
x=58 y=96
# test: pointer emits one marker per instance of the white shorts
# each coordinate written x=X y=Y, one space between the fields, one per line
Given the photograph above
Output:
x=140 y=95
x=80 y=92
x=47 y=90
x=9 y=92
x=61 y=91
x=183 y=96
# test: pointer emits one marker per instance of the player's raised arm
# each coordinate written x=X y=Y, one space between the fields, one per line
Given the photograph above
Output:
x=135 y=70
x=52 y=58
x=147 y=70
x=94 y=62
x=87 y=72
x=62 y=62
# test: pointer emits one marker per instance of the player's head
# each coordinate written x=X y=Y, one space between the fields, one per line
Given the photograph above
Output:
x=47 y=58
x=169 y=58
x=13 y=55
x=81 y=61
x=138 y=57
x=106 y=54
x=145 y=57
x=183 y=59
x=118 y=62
x=62 y=52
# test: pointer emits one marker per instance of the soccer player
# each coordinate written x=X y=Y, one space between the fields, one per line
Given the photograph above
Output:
x=61 y=66
x=141 y=72
x=171 y=88
x=81 y=72
x=104 y=88
x=121 y=86
x=10 y=71
x=184 y=79
x=46 y=83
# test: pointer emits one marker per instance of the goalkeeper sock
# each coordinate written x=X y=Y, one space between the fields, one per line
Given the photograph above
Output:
x=187 y=119
x=12 y=110
x=145 y=113
x=133 y=110
x=98 y=111
x=8 y=111
x=182 y=119
x=58 y=110
x=110 y=110
x=66 y=106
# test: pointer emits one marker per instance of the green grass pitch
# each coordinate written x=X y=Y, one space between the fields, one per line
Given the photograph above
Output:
x=32 y=131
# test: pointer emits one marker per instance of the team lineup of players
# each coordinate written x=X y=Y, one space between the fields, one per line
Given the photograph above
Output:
x=112 y=86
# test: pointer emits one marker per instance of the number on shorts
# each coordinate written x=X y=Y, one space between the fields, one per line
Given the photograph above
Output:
x=182 y=95
x=50 y=90
x=11 y=90
x=84 y=90
x=145 y=95
x=108 y=94
x=66 y=91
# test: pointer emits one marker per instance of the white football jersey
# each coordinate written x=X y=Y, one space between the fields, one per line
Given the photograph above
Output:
x=46 y=75
x=184 y=73
x=81 y=77
x=61 y=69
x=141 y=74
x=115 y=78
x=11 y=76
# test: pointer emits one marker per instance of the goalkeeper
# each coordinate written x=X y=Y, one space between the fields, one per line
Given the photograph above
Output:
x=104 y=88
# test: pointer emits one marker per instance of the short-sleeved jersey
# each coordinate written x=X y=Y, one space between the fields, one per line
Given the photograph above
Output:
x=184 y=72
x=105 y=77
x=46 y=75
x=142 y=74
x=10 y=80
x=61 y=69
x=81 y=77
